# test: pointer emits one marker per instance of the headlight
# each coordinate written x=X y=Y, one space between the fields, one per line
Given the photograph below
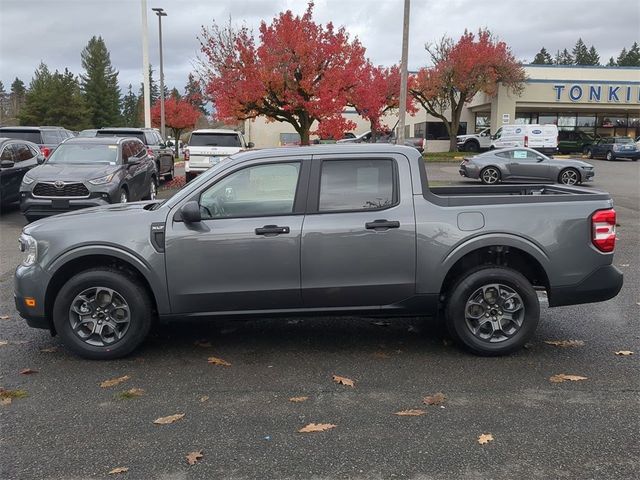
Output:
x=29 y=249
x=102 y=180
x=27 y=180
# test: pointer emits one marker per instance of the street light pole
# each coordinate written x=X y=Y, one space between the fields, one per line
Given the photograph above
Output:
x=161 y=13
x=145 y=66
x=403 y=74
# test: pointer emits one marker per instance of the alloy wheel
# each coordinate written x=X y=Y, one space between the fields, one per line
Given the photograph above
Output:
x=490 y=175
x=569 y=177
x=123 y=197
x=494 y=313
x=153 y=189
x=99 y=316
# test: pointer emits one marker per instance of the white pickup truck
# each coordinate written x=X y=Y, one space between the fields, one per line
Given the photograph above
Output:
x=474 y=142
x=207 y=147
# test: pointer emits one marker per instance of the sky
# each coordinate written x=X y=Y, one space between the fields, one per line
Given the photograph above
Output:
x=56 y=31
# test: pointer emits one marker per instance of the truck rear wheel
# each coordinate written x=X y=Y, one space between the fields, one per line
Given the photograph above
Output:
x=492 y=311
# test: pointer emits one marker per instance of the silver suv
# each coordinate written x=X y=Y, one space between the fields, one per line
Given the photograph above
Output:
x=207 y=147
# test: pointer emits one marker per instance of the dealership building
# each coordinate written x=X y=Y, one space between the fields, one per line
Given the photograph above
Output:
x=602 y=101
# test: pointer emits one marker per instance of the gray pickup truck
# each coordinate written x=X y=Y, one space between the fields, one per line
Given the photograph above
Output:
x=325 y=230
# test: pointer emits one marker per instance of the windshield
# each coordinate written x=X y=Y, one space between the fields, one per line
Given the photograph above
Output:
x=113 y=133
x=215 y=140
x=84 y=153
x=28 y=135
x=623 y=140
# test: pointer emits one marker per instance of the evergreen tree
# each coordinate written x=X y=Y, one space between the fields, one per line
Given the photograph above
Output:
x=55 y=99
x=612 y=62
x=100 y=84
x=593 y=58
x=130 y=109
x=4 y=104
x=580 y=53
x=175 y=94
x=542 y=58
x=153 y=88
x=193 y=93
x=630 y=58
x=564 y=58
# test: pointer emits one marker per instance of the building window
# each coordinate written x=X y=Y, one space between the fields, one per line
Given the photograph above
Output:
x=567 y=121
x=289 y=139
x=586 y=121
x=420 y=130
x=546 y=119
x=483 y=120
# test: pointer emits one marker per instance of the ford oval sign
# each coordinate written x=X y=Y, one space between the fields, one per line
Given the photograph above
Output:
x=536 y=132
x=518 y=130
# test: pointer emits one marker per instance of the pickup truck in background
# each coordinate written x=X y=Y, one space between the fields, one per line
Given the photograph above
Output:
x=474 y=142
x=418 y=143
x=320 y=230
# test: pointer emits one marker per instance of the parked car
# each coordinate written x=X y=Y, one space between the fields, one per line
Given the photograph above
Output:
x=418 y=143
x=524 y=165
x=571 y=141
x=207 y=147
x=17 y=157
x=156 y=147
x=326 y=229
x=47 y=138
x=612 y=148
x=543 y=138
x=474 y=142
x=90 y=132
x=86 y=172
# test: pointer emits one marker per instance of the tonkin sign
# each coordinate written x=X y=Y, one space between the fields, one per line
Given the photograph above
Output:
x=597 y=93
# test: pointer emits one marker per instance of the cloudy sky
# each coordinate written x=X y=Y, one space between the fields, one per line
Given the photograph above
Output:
x=56 y=31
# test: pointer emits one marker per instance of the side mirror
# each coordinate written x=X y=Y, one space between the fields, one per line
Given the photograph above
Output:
x=133 y=160
x=190 y=212
x=250 y=145
x=162 y=145
x=40 y=159
x=7 y=163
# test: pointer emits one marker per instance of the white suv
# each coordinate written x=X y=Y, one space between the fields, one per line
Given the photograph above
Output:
x=207 y=147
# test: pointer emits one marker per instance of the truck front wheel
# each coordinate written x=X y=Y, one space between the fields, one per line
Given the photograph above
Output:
x=492 y=311
x=471 y=146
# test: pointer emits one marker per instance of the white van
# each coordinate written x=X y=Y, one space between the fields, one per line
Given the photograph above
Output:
x=543 y=138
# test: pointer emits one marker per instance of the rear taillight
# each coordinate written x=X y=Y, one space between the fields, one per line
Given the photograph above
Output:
x=603 y=230
x=186 y=154
x=150 y=151
x=45 y=151
x=526 y=140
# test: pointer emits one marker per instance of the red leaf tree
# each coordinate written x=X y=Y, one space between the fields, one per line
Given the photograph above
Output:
x=298 y=72
x=179 y=115
x=460 y=71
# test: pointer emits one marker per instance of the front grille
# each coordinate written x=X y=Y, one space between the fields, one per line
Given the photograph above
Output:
x=67 y=190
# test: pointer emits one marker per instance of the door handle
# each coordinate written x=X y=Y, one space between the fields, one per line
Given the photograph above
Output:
x=382 y=224
x=271 y=230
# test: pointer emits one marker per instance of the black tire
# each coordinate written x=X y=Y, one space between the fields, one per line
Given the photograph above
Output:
x=136 y=297
x=188 y=176
x=589 y=153
x=471 y=146
x=153 y=182
x=585 y=150
x=485 y=173
x=30 y=218
x=567 y=174
x=464 y=289
x=124 y=194
x=171 y=174
x=610 y=156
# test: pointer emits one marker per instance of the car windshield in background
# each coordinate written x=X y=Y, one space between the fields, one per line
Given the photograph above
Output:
x=623 y=140
x=134 y=134
x=77 y=154
x=28 y=135
x=214 y=140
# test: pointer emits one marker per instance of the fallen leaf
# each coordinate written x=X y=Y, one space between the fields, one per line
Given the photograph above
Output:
x=218 y=361
x=202 y=343
x=624 y=353
x=562 y=377
x=298 y=399
x=193 y=457
x=12 y=393
x=117 y=470
x=49 y=350
x=3 y=343
x=27 y=371
x=6 y=401
x=416 y=412
x=381 y=355
x=485 y=438
x=204 y=398
x=435 y=399
x=169 y=419
x=624 y=265
x=4 y=317
x=565 y=343
x=317 y=427
x=131 y=393
x=114 y=381
x=343 y=380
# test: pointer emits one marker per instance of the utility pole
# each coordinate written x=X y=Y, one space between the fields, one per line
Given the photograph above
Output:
x=146 y=87
x=403 y=74
x=161 y=13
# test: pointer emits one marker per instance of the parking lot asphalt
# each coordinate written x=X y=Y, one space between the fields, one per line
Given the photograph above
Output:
x=241 y=419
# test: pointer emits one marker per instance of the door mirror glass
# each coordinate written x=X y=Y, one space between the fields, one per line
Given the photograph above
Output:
x=133 y=160
x=250 y=145
x=40 y=159
x=6 y=164
x=190 y=212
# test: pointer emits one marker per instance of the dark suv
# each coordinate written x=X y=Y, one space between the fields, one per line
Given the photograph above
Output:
x=88 y=172
x=161 y=152
x=47 y=138
x=569 y=141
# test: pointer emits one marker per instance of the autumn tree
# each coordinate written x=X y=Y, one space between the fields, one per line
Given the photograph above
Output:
x=179 y=115
x=542 y=58
x=461 y=70
x=298 y=72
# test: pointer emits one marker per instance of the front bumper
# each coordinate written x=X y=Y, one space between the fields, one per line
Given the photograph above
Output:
x=39 y=207
x=602 y=284
x=31 y=282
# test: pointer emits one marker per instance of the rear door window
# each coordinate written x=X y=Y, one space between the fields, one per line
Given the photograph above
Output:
x=22 y=152
x=51 y=136
x=357 y=185
x=215 y=140
x=20 y=134
x=7 y=153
